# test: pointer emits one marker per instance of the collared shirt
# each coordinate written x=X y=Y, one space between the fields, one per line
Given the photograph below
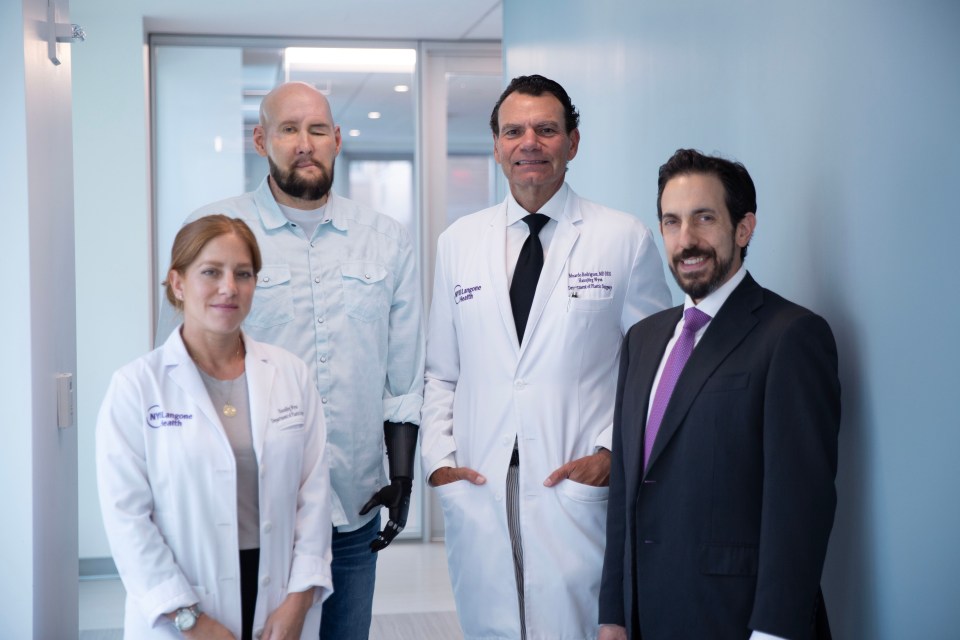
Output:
x=518 y=231
x=710 y=306
x=347 y=301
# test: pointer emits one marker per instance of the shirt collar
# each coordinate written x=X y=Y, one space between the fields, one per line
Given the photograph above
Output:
x=712 y=303
x=273 y=218
x=553 y=208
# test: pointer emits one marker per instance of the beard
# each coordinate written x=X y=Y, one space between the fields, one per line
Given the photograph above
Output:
x=700 y=286
x=296 y=186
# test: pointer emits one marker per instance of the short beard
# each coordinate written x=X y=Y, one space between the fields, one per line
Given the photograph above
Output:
x=296 y=186
x=700 y=289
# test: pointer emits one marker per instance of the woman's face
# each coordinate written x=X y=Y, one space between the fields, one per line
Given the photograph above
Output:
x=217 y=288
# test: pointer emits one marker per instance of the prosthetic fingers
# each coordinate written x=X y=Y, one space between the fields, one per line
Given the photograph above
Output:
x=401 y=442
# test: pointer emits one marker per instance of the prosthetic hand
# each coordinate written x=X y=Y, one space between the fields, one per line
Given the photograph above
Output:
x=401 y=441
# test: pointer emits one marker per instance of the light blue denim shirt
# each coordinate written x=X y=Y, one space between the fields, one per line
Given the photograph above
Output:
x=347 y=301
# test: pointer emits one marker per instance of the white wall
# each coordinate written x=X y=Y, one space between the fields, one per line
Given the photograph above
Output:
x=38 y=461
x=845 y=115
x=113 y=234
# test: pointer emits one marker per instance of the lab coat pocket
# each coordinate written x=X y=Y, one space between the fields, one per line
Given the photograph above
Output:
x=292 y=425
x=273 y=298
x=461 y=501
x=586 y=507
x=364 y=290
x=583 y=492
x=581 y=303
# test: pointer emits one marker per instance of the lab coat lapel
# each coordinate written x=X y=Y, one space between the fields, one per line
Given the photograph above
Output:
x=184 y=373
x=564 y=238
x=493 y=251
x=260 y=377
x=733 y=323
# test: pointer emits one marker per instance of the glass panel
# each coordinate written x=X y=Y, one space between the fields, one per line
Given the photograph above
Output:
x=386 y=186
x=471 y=170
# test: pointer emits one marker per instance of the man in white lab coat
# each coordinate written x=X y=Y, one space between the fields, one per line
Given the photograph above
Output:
x=518 y=403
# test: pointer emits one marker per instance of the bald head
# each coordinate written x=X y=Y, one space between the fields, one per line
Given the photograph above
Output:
x=294 y=94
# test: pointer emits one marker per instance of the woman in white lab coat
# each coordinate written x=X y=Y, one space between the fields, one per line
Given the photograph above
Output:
x=211 y=464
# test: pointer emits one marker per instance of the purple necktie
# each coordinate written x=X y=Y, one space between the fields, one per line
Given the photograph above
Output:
x=693 y=321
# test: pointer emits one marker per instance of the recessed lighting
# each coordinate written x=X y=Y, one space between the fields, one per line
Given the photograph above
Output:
x=350 y=60
x=374 y=115
x=354 y=133
x=401 y=88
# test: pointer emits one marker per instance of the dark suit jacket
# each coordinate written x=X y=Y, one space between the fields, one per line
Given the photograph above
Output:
x=727 y=529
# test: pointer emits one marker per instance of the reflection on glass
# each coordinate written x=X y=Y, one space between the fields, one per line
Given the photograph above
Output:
x=386 y=186
x=471 y=171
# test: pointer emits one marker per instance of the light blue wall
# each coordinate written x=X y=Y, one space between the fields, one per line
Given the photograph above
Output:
x=846 y=116
x=16 y=453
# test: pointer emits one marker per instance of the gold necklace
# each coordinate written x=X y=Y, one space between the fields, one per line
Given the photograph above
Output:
x=229 y=410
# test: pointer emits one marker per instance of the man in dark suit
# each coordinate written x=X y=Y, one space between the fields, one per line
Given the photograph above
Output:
x=725 y=438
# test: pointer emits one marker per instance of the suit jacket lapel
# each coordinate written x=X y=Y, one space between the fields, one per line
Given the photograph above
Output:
x=733 y=322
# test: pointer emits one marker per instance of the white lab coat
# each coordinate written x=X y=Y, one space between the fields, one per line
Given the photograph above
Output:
x=167 y=484
x=555 y=393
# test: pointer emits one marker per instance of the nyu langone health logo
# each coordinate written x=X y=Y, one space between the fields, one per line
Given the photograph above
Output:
x=157 y=417
x=461 y=294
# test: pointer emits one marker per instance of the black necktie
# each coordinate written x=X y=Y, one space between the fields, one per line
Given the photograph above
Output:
x=525 y=276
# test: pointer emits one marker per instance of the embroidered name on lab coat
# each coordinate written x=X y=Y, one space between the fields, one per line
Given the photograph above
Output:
x=157 y=417
x=584 y=284
x=288 y=416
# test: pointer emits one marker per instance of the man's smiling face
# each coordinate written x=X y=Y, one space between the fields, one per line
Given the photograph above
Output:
x=533 y=147
x=700 y=241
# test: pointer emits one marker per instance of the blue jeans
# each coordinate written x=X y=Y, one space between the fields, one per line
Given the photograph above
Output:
x=347 y=613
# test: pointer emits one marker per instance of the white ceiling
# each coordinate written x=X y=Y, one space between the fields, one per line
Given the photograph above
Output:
x=352 y=96
x=407 y=19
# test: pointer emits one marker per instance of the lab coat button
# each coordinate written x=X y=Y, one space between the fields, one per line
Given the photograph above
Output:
x=505 y=440
x=519 y=385
x=498 y=496
x=267 y=527
x=265 y=580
